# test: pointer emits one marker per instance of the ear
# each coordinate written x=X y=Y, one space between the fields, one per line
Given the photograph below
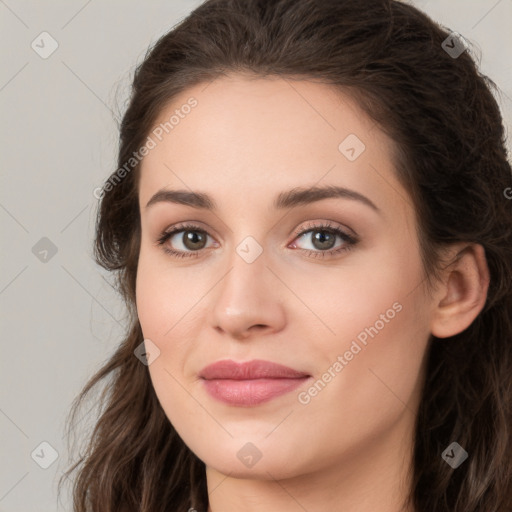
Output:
x=462 y=292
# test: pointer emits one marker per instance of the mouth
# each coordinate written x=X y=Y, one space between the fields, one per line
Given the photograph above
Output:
x=250 y=383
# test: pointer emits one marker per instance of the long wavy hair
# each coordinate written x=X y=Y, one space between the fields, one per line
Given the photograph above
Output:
x=450 y=155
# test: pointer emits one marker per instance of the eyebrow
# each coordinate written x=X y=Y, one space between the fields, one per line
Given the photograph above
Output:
x=288 y=199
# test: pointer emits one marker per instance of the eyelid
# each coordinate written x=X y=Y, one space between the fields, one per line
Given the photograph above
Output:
x=327 y=226
x=181 y=226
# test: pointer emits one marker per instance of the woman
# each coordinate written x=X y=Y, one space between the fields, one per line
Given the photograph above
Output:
x=310 y=226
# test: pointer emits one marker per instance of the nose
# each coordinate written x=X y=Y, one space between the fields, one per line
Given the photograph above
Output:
x=249 y=300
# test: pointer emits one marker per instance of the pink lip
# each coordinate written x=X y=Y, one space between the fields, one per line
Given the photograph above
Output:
x=251 y=383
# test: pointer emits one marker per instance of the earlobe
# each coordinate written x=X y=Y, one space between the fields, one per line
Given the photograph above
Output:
x=463 y=292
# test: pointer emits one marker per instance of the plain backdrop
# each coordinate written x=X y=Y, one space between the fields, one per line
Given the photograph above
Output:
x=60 y=317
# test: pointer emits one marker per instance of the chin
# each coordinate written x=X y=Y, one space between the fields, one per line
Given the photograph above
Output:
x=270 y=468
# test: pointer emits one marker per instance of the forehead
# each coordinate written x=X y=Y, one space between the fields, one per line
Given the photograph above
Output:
x=262 y=134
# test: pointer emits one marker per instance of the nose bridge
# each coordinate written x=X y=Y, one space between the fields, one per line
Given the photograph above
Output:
x=246 y=278
x=246 y=295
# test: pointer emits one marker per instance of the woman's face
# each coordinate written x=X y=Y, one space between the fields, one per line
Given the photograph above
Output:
x=343 y=303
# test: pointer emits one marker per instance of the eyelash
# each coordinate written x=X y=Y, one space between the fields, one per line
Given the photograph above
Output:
x=350 y=241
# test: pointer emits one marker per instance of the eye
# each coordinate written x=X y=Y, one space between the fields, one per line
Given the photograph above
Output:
x=189 y=240
x=185 y=240
x=322 y=239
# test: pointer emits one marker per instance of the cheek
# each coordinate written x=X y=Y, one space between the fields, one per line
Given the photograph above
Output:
x=377 y=312
x=169 y=308
x=352 y=296
x=382 y=347
x=166 y=297
x=151 y=300
x=165 y=303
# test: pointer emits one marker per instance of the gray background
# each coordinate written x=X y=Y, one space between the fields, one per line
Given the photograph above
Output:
x=60 y=317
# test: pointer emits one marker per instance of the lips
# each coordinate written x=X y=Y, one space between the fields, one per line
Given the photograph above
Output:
x=251 y=383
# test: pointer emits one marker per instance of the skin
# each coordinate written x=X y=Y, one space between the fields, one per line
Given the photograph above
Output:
x=350 y=447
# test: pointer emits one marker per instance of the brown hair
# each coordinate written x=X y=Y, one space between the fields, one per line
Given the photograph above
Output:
x=451 y=157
